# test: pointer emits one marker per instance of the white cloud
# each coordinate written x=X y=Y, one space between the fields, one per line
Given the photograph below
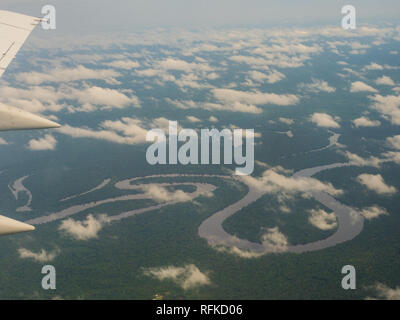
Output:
x=235 y=107
x=42 y=256
x=286 y=121
x=58 y=75
x=48 y=142
x=388 y=106
x=394 y=142
x=108 y=98
x=246 y=254
x=38 y=99
x=360 y=86
x=160 y=193
x=123 y=64
x=386 y=293
x=147 y=72
x=373 y=212
x=322 y=219
x=317 y=86
x=365 y=122
x=272 y=181
x=356 y=160
x=181 y=65
x=324 y=120
x=232 y=97
x=84 y=230
x=375 y=183
x=373 y=66
x=272 y=77
x=35 y=99
x=290 y=134
x=131 y=129
x=193 y=119
x=274 y=240
x=385 y=81
x=187 y=277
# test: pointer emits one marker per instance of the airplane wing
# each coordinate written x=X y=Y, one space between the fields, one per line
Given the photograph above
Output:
x=14 y=30
x=16 y=119
x=10 y=226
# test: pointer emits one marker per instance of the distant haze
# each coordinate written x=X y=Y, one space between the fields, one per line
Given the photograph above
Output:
x=92 y=16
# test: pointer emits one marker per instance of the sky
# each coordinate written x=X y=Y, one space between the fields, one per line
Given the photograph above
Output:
x=94 y=16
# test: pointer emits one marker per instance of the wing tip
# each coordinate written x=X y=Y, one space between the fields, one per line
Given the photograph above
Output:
x=11 y=226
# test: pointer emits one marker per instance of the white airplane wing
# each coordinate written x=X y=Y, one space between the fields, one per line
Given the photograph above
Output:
x=10 y=226
x=14 y=30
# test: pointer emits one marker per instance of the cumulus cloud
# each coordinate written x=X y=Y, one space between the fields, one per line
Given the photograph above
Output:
x=42 y=256
x=131 y=130
x=238 y=101
x=58 y=75
x=231 y=96
x=184 y=74
x=38 y=99
x=322 y=219
x=356 y=160
x=360 y=86
x=394 y=142
x=388 y=106
x=235 y=107
x=373 y=66
x=385 y=293
x=105 y=97
x=282 y=54
x=123 y=64
x=372 y=161
x=161 y=194
x=365 y=122
x=271 y=77
x=274 y=240
x=376 y=183
x=316 y=86
x=48 y=142
x=286 y=121
x=181 y=65
x=246 y=254
x=373 y=212
x=272 y=181
x=213 y=119
x=187 y=277
x=193 y=119
x=324 y=120
x=385 y=81
x=376 y=66
x=84 y=230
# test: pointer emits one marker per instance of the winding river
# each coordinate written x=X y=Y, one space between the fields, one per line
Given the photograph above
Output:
x=350 y=222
